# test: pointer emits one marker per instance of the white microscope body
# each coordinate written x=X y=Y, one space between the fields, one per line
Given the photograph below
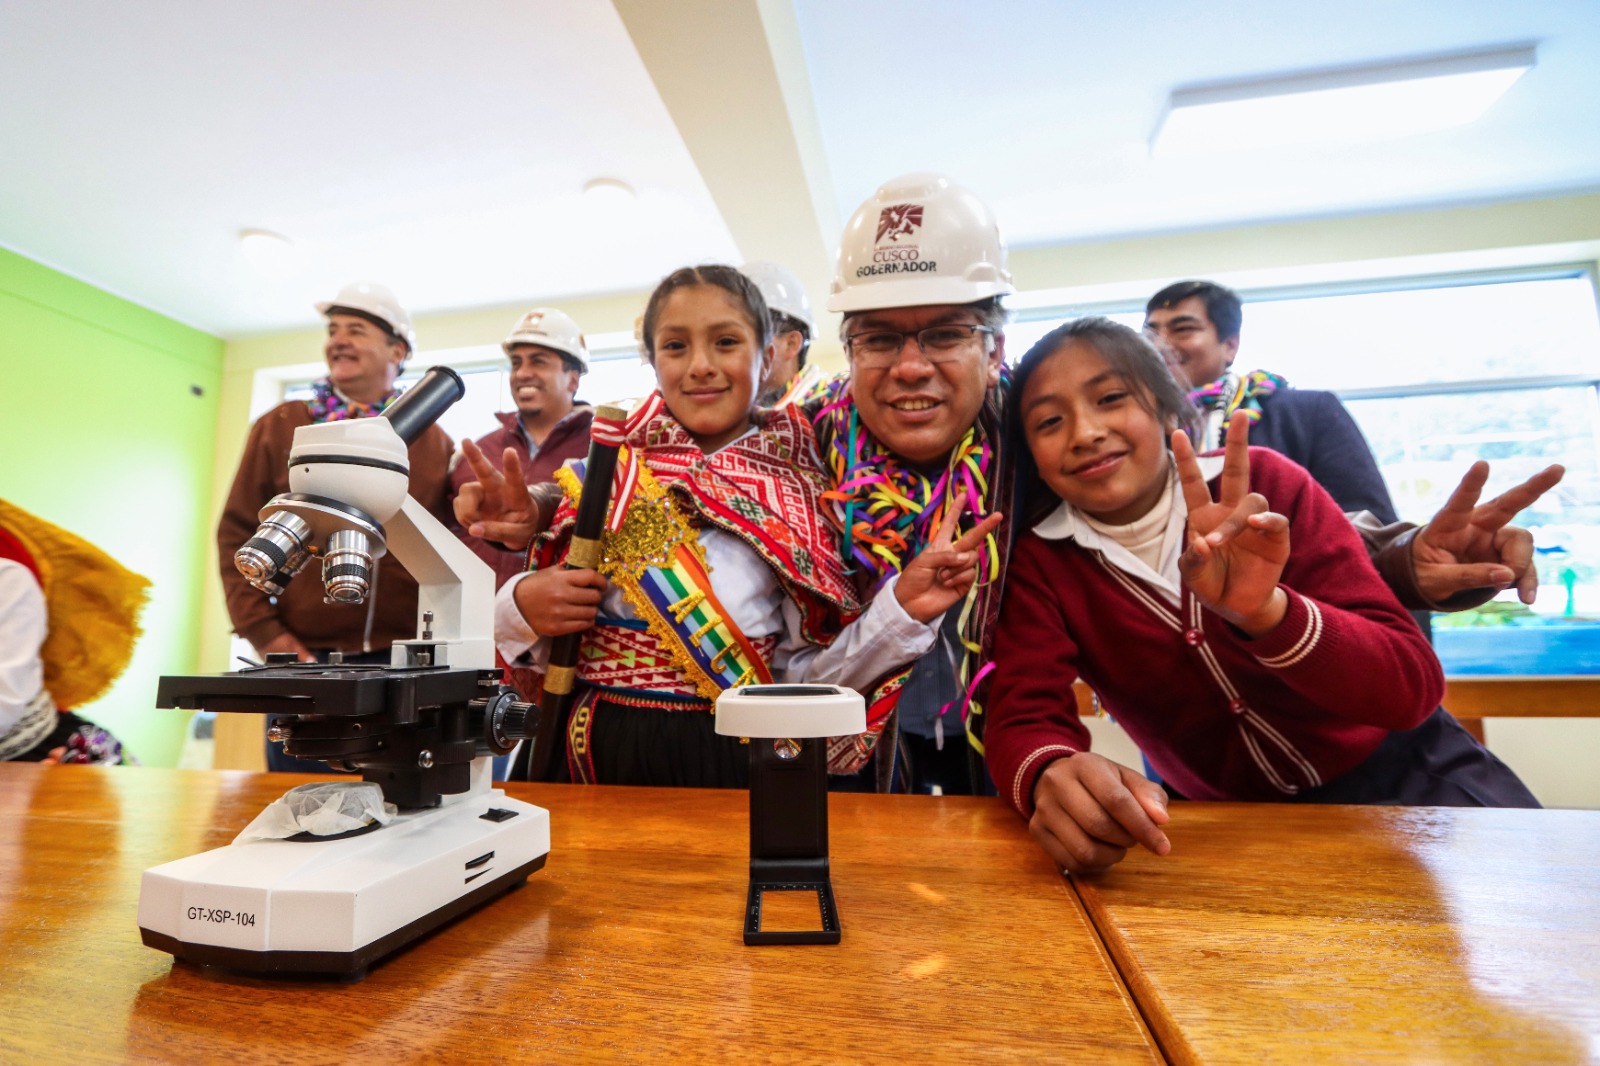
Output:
x=423 y=728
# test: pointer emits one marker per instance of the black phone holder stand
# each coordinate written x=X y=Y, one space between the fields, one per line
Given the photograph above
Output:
x=788 y=727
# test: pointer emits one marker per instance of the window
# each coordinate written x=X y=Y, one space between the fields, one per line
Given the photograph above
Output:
x=615 y=372
x=1439 y=372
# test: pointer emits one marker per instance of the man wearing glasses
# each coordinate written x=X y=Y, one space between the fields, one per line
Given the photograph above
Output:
x=911 y=431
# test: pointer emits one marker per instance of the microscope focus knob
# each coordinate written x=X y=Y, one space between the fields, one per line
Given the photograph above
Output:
x=507 y=720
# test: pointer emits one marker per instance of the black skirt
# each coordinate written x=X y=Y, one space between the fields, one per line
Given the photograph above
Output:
x=622 y=742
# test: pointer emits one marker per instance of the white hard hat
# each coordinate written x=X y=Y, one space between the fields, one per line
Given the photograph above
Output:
x=549 y=328
x=782 y=291
x=919 y=240
x=376 y=300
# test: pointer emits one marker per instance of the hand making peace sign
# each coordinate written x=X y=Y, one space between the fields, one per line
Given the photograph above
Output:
x=1237 y=546
x=943 y=571
x=1469 y=545
x=497 y=506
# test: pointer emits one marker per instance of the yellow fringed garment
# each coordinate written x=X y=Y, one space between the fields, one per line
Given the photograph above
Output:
x=93 y=603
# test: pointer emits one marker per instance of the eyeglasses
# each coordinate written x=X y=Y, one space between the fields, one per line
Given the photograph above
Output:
x=880 y=348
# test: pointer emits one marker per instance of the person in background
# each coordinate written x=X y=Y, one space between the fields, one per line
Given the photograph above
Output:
x=69 y=619
x=1197 y=326
x=369 y=338
x=548 y=355
x=792 y=327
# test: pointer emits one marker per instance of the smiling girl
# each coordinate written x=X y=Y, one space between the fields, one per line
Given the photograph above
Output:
x=1244 y=670
x=723 y=571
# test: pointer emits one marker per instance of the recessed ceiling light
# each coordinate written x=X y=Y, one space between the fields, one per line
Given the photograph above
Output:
x=610 y=192
x=266 y=251
x=1376 y=101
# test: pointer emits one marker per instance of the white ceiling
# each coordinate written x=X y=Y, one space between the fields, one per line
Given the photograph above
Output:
x=440 y=147
x=1046 y=107
x=437 y=147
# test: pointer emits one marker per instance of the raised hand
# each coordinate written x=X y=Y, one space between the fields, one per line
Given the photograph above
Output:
x=944 y=570
x=1469 y=545
x=1237 y=546
x=556 y=600
x=1088 y=811
x=497 y=506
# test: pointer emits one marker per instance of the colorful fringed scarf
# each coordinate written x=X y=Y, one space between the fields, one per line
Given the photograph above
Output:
x=327 y=405
x=889 y=511
x=1229 y=393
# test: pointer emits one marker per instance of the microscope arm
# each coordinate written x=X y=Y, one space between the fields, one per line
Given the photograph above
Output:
x=453 y=583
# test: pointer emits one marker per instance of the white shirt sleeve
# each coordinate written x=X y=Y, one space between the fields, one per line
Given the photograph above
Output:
x=513 y=636
x=884 y=638
x=23 y=624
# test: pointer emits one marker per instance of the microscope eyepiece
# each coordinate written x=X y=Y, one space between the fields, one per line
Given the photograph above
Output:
x=347 y=567
x=276 y=553
x=424 y=402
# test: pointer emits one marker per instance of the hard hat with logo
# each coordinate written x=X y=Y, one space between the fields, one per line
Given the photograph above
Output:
x=374 y=301
x=549 y=328
x=782 y=291
x=920 y=240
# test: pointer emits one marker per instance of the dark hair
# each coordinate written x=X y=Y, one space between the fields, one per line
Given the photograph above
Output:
x=1131 y=357
x=1222 y=304
x=741 y=288
x=785 y=323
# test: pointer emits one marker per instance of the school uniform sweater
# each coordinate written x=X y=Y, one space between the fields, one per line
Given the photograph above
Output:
x=1219 y=715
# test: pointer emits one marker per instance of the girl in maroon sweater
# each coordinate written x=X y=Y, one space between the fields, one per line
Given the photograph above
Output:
x=1243 y=670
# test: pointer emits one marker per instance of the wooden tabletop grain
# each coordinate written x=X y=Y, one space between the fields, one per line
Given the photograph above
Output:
x=1299 y=934
x=961 y=942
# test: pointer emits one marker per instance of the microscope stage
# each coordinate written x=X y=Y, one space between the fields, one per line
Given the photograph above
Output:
x=336 y=906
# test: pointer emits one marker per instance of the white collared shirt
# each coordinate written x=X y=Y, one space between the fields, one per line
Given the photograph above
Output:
x=1068 y=523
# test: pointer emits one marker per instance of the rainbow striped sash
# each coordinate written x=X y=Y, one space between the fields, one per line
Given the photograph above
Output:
x=681 y=597
x=656 y=559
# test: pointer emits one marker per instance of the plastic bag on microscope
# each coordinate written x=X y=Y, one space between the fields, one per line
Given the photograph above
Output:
x=323 y=809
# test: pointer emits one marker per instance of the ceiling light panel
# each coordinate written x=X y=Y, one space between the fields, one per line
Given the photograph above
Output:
x=1379 y=101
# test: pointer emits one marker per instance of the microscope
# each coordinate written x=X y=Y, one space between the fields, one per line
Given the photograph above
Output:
x=423 y=728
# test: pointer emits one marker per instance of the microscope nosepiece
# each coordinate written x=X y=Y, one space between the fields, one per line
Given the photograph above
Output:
x=276 y=553
x=347 y=567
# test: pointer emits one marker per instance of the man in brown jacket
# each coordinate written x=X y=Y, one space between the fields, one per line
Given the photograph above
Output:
x=369 y=338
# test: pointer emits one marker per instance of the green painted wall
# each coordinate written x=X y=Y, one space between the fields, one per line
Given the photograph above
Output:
x=108 y=417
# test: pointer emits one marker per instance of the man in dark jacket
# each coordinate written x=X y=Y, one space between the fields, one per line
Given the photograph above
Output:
x=548 y=354
x=1197 y=325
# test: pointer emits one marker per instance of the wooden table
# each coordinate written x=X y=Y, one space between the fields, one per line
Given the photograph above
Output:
x=961 y=942
x=1288 y=934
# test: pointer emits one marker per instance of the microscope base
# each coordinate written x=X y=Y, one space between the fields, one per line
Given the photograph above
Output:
x=337 y=906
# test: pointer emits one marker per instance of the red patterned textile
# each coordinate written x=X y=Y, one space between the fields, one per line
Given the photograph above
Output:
x=623 y=657
x=765 y=489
